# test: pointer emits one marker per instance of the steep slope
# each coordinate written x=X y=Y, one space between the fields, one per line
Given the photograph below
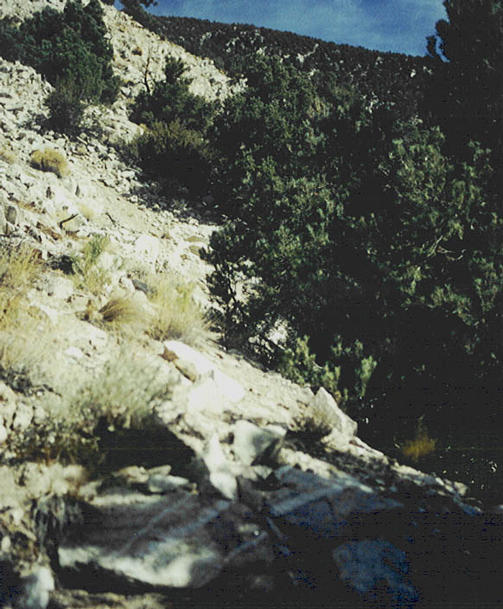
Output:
x=389 y=77
x=137 y=470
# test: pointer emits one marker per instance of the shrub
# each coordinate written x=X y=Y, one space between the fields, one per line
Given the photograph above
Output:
x=122 y=311
x=421 y=446
x=360 y=232
x=49 y=159
x=18 y=267
x=69 y=47
x=66 y=109
x=177 y=314
x=87 y=273
x=83 y=427
x=173 y=151
x=174 y=144
x=23 y=334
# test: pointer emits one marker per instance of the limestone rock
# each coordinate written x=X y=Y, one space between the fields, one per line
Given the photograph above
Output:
x=324 y=408
x=170 y=541
x=378 y=571
x=251 y=443
x=220 y=471
x=198 y=366
x=36 y=589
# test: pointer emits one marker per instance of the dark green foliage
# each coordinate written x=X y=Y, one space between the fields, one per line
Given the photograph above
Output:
x=466 y=54
x=170 y=99
x=71 y=50
x=66 y=108
x=357 y=230
x=174 y=152
x=392 y=77
x=173 y=145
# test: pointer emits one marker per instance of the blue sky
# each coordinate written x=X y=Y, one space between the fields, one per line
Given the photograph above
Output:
x=386 y=25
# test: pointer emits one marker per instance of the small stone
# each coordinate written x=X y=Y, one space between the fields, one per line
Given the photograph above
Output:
x=12 y=214
x=5 y=544
x=251 y=443
x=36 y=589
x=159 y=483
x=23 y=417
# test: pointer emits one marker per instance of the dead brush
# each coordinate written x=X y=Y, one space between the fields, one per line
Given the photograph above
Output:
x=18 y=268
x=124 y=310
x=95 y=423
x=177 y=315
x=51 y=160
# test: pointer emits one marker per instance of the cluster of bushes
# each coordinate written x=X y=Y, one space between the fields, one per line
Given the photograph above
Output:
x=369 y=241
x=392 y=77
x=174 y=144
x=363 y=246
x=71 y=50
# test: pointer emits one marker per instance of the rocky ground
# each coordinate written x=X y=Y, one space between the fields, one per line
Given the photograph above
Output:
x=208 y=481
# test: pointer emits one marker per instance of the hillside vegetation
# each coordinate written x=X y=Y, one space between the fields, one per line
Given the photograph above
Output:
x=361 y=246
x=363 y=210
x=204 y=283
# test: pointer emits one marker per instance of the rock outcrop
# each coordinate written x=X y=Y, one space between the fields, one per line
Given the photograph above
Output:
x=210 y=481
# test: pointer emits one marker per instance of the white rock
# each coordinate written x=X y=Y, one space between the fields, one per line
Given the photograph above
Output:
x=23 y=417
x=60 y=287
x=221 y=475
x=230 y=389
x=251 y=442
x=324 y=407
x=147 y=247
x=74 y=353
x=37 y=588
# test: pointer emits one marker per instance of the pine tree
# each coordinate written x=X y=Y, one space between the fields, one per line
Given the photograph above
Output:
x=467 y=59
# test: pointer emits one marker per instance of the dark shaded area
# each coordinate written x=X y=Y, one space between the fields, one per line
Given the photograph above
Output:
x=147 y=447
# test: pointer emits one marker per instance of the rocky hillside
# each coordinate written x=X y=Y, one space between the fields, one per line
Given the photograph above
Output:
x=142 y=465
x=392 y=78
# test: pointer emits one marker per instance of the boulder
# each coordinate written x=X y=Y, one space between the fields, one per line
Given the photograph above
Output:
x=377 y=571
x=168 y=541
x=323 y=408
x=252 y=443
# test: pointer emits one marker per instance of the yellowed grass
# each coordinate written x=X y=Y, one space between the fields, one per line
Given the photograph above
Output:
x=7 y=156
x=122 y=396
x=23 y=345
x=49 y=159
x=18 y=268
x=178 y=315
x=421 y=446
x=87 y=272
x=124 y=310
x=24 y=334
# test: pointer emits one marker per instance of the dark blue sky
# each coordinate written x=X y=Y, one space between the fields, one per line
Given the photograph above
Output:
x=386 y=25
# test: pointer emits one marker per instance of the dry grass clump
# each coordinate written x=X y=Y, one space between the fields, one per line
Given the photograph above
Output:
x=87 y=272
x=49 y=159
x=7 y=156
x=23 y=333
x=90 y=424
x=178 y=315
x=421 y=446
x=18 y=268
x=23 y=345
x=124 y=310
